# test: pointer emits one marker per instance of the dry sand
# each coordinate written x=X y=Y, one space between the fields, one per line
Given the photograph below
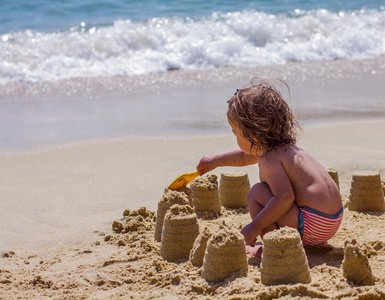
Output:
x=61 y=211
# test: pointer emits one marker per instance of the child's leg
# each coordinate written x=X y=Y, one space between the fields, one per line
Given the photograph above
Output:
x=257 y=198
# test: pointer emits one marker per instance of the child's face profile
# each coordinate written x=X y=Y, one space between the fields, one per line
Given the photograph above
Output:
x=243 y=143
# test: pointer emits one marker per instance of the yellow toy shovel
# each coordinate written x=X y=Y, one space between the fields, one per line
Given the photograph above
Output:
x=183 y=180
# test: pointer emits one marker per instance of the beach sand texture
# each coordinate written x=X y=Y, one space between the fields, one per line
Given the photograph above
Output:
x=233 y=188
x=96 y=120
x=366 y=192
x=356 y=264
x=225 y=254
x=334 y=174
x=79 y=247
x=168 y=199
x=283 y=258
x=199 y=248
x=129 y=265
x=179 y=232
x=205 y=193
x=383 y=185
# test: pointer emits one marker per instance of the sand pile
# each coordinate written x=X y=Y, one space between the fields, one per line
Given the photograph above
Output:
x=356 y=264
x=233 y=189
x=168 y=199
x=199 y=248
x=136 y=220
x=283 y=258
x=129 y=265
x=205 y=193
x=334 y=174
x=180 y=230
x=366 y=192
x=131 y=229
x=225 y=254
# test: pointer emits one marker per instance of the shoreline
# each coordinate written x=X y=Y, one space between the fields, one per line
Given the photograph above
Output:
x=123 y=139
x=295 y=72
x=180 y=103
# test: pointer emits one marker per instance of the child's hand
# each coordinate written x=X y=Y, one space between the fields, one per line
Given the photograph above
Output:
x=250 y=233
x=206 y=164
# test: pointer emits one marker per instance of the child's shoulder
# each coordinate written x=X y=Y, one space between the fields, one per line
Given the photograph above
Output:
x=276 y=155
x=283 y=151
x=282 y=155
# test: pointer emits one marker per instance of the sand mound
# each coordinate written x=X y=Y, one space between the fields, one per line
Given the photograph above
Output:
x=198 y=251
x=225 y=254
x=233 y=189
x=169 y=198
x=205 y=193
x=383 y=185
x=283 y=258
x=128 y=264
x=136 y=220
x=356 y=264
x=334 y=175
x=366 y=192
x=180 y=230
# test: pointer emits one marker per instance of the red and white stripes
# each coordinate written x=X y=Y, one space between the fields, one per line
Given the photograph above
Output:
x=318 y=229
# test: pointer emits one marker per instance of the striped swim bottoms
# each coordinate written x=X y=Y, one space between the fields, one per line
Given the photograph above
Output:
x=317 y=227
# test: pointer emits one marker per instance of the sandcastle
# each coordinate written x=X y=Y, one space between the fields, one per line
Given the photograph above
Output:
x=197 y=252
x=225 y=254
x=233 y=189
x=283 y=258
x=168 y=199
x=180 y=230
x=366 y=192
x=334 y=175
x=356 y=264
x=205 y=193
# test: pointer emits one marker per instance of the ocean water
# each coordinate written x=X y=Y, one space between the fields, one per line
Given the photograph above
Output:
x=53 y=40
x=94 y=69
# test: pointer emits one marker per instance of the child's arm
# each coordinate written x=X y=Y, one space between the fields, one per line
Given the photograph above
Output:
x=236 y=158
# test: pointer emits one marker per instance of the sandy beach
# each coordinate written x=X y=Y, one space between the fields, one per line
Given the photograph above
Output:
x=103 y=104
x=58 y=207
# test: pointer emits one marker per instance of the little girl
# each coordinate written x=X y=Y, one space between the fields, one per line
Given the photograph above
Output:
x=295 y=189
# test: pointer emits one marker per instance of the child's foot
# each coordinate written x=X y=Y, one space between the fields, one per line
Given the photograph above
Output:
x=255 y=251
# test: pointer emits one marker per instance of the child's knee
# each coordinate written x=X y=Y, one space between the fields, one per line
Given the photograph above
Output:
x=250 y=200
x=260 y=193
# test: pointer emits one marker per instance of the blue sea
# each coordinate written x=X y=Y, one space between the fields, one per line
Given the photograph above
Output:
x=53 y=51
x=52 y=40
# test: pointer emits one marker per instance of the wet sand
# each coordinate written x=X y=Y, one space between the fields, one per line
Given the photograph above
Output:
x=180 y=103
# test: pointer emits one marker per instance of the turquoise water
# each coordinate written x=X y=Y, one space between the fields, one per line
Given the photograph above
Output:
x=48 y=16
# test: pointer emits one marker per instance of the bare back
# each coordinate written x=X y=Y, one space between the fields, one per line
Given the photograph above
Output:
x=310 y=182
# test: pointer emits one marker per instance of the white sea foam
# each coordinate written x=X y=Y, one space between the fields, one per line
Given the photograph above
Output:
x=161 y=44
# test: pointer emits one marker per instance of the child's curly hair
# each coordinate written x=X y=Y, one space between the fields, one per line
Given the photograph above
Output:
x=263 y=116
